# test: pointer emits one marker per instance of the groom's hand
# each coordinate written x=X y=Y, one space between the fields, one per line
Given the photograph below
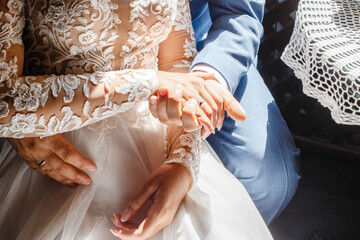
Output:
x=61 y=161
x=175 y=89
x=166 y=187
x=171 y=106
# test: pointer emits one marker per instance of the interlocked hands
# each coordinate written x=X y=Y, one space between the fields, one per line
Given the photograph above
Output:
x=192 y=100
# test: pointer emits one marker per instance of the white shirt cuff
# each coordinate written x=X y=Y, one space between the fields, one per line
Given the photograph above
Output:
x=207 y=68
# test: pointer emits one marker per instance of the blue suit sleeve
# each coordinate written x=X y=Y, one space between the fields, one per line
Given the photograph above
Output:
x=234 y=37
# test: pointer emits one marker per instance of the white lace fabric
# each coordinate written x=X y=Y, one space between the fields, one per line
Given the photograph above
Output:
x=184 y=148
x=88 y=60
x=324 y=52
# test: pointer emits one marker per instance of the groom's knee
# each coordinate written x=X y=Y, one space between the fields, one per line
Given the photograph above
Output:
x=268 y=167
x=274 y=181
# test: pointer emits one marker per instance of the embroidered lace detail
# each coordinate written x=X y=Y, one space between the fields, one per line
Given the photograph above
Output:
x=324 y=53
x=72 y=48
x=183 y=22
x=143 y=40
x=12 y=29
x=186 y=152
x=62 y=36
x=138 y=86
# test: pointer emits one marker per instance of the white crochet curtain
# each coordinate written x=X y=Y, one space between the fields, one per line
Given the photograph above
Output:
x=324 y=52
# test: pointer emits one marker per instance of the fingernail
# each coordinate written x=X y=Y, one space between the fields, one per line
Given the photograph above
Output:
x=162 y=92
x=206 y=135
x=152 y=101
x=212 y=130
x=68 y=182
x=125 y=216
x=114 y=233
x=91 y=169
x=86 y=182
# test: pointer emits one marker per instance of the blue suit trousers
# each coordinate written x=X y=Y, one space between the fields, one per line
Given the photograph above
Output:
x=260 y=151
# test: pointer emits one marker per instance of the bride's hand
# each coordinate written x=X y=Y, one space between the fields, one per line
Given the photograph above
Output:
x=166 y=187
x=212 y=99
x=177 y=88
x=55 y=158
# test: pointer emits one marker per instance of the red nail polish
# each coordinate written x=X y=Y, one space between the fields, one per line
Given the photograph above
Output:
x=162 y=92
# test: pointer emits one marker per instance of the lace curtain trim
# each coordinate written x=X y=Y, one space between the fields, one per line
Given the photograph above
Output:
x=324 y=52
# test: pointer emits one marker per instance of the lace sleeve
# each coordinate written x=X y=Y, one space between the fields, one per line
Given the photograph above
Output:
x=175 y=55
x=46 y=105
x=184 y=148
x=178 y=51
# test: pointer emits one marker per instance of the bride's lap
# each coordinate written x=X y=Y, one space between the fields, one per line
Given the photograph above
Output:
x=38 y=207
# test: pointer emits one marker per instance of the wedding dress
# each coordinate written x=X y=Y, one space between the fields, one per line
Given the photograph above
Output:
x=89 y=68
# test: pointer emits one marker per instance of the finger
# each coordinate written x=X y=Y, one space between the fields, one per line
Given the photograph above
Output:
x=67 y=170
x=127 y=226
x=204 y=75
x=138 y=200
x=145 y=230
x=233 y=107
x=153 y=102
x=47 y=171
x=65 y=151
x=161 y=106
x=159 y=215
x=209 y=106
x=174 y=106
x=208 y=99
x=119 y=232
x=210 y=115
x=204 y=121
x=204 y=133
x=221 y=116
x=189 y=119
x=220 y=103
x=132 y=234
x=61 y=179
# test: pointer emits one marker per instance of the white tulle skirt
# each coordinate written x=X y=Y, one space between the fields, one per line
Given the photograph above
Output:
x=35 y=207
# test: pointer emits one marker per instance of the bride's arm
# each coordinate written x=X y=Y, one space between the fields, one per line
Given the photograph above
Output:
x=46 y=105
x=168 y=185
x=176 y=54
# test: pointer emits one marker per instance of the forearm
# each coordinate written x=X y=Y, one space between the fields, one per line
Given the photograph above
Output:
x=46 y=105
x=233 y=41
x=184 y=148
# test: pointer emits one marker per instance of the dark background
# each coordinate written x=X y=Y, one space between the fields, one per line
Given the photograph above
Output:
x=327 y=203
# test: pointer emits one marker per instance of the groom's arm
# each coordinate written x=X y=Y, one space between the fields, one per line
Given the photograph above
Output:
x=233 y=40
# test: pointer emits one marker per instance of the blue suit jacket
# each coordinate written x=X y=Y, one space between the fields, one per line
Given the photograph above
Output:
x=228 y=35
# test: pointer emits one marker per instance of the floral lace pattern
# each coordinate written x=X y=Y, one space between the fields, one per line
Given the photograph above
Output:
x=140 y=84
x=183 y=22
x=187 y=152
x=73 y=48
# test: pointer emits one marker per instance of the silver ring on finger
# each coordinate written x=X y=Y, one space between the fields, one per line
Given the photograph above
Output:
x=201 y=102
x=41 y=163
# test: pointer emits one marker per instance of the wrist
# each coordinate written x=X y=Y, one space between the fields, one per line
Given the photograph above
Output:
x=210 y=77
x=183 y=173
